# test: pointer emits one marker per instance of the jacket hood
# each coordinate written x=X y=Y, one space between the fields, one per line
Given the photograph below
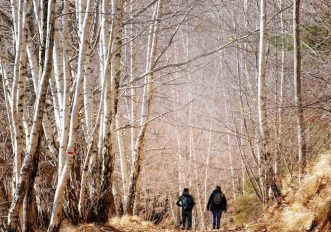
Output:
x=217 y=191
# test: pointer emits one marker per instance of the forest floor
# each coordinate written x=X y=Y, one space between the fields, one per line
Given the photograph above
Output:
x=304 y=207
x=128 y=224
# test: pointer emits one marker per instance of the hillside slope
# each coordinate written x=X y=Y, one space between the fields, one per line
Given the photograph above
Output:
x=306 y=207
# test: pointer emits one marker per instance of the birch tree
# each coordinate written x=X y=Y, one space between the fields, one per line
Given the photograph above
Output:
x=262 y=105
x=26 y=179
x=70 y=149
x=107 y=201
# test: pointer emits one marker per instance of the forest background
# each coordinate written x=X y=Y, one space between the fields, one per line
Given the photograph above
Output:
x=113 y=107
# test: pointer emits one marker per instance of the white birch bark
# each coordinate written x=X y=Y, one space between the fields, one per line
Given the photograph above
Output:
x=123 y=159
x=188 y=173
x=227 y=117
x=25 y=179
x=262 y=75
x=19 y=47
x=16 y=18
x=179 y=146
x=36 y=10
x=209 y=145
x=70 y=151
x=176 y=99
x=64 y=136
x=33 y=63
x=88 y=96
x=97 y=138
x=89 y=115
x=262 y=104
x=58 y=71
x=133 y=115
x=104 y=34
x=18 y=94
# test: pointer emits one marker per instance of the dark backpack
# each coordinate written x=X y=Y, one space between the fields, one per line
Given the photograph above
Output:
x=217 y=199
x=187 y=203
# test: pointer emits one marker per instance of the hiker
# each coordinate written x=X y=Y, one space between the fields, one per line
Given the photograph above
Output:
x=216 y=204
x=186 y=201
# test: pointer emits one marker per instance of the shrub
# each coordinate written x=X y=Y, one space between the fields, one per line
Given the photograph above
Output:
x=247 y=207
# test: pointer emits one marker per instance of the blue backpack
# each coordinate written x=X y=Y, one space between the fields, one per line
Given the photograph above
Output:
x=187 y=203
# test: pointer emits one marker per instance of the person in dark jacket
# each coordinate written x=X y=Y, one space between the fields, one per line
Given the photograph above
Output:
x=186 y=202
x=217 y=204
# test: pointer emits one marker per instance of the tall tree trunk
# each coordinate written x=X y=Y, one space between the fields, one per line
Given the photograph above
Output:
x=19 y=52
x=179 y=150
x=297 y=87
x=262 y=106
x=63 y=138
x=77 y=102
x=106 y=202
x=280 y=99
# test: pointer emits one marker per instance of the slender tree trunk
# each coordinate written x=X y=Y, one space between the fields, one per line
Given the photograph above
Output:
x=297 y=87
x=262 y=106
x=209 y=147
x=133 y=109
x=106 y=203
x=227 y=117
x=199 y=200
x=77 y=102
x=179 y=147
x=123 y=159
x=281 y=96
x=19 y=47
x=66 y=93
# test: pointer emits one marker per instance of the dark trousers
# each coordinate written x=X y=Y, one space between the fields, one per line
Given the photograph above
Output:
x=217 y=213
x=187 y=219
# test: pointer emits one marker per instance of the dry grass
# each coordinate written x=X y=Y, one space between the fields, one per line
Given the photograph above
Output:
x=81 y=228
x=307 y=207
x=118 y=224
x=131 y=223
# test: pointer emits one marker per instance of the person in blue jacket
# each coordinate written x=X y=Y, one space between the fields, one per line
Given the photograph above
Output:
x=186 y=202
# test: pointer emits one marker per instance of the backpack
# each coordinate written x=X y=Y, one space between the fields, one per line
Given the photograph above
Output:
x=187 y=203
x=217 y=198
